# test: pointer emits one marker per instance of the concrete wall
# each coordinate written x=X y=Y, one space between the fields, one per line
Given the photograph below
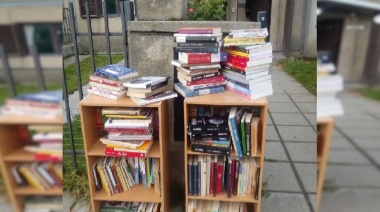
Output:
x=353 y=48
x=150 y=53
x=277 y=24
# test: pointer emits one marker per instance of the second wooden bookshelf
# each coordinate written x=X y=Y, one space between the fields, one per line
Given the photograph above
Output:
x=227 y=99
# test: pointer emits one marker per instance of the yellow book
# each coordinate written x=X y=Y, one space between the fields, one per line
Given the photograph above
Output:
x=102 y=177
x=25 y=171
x=142 y=149
x=244 y=40
x=237 y=53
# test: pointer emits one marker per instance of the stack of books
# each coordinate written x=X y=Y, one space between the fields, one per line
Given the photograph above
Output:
x=128 y=131
x=328 y=85
x=248 y=61
x=42 y=176
x=43 y=203
x=107 y=81
x=198 y=64
x=130 y=207
x=217 y=206
x=217 y=175
x=119 y=174
x=45 y=104
x=150 y=89
x=45 y=142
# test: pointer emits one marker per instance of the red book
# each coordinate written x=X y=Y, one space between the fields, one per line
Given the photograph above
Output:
x=111 y=152
x=197 y=58
x=216 y=79
x=104 y=81
x=208 y=30
x=232 y=179
x=237 y=57
x=211 y=178
x=238 y=63
x=47 y=157
x=219 y=178
x=234 y=65
x=33 y=104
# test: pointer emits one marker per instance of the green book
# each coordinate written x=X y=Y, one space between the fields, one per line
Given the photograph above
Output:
x=117 y=207
x=242 y=130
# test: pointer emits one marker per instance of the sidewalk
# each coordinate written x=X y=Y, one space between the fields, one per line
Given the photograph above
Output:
x=352 y=181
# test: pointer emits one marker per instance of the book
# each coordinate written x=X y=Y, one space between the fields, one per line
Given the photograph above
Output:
x=243 y=133
x=104 y=90
x=208 y=80
x=140 y=152
x=215 y=65
x=199 y=30
x=258 y=88
x=104 y=94
x=145 y=82
x=117 y=71
x=233 y=120
x=127 y=123
x=248 y=132
x=196 y=35
x=263 y=59
x=211 y=150
x=197 y=76
x=248 y=33
x=123 y=110
x=201 y=44
x=103 y=79
x=150 y=89
x=252 y=49
x=133 y=144
x=193 y=72
x=196 y=58
x=201 y=135
x=254 y=135
x=190 y=39
x=251 y=96
x=208 y=125
x=156 y=98
x=190 y=175
x=189 y=93
x=243 y=41
x=31 y=104
x=146 y=95
x=198 y=49
x=200 y=86
x=128 y=137
x=43 y=96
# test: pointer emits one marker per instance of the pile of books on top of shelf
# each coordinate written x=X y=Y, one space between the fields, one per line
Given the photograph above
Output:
x=128 y=131
x=107 y=81
x=329 y=84
x=39 y=175
x=130 y=206
x=217 y=175
x=198 y=63
x=218 y=206
x=45 y=141
x=119 y=174
x=211 y=129
x=43 y=203
x=149 y=89
x=248 y=61
x=44 y=104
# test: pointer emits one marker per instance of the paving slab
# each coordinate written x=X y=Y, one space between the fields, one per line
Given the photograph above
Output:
x=313 y=200
x=375 y=155
x=269 y=120
x=312 y=118
x=275 y=151
x=279 y=176
x=367 y=143
x=5 y=204
x=281 y=98
x=361 y=133
x=356 y=176
x=352 y=156
x=350 y=200
x=308 y=174
x=271 y=134
x=284 y=202
x=297 y=133
x=289 y=119
x=341 y=143
x=336 y=134
x=283 y=107
x=307 y=107
x=304 y=152
x=303 y=98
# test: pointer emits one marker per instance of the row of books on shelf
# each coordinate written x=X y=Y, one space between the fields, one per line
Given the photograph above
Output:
x=43 y=204
x=45 y=104
x=39 y=175
x=211 y=130
x=127 y=132
x=216 y=175
x=119 y=174
x=217 y=206
x=130 y=207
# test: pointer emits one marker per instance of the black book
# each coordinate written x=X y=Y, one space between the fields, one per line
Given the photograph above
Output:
x=228 y=180
x=237 y=168
x=198 y=49
x=202 y=135
x=211 y=150
x=199 y=44
x=234 y=70
x=190 y=175
x=194 y=177
x=208 y=125
x=210 y=138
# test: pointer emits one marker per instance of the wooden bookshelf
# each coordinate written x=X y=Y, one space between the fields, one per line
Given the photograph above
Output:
x=325 y=127
x=12 y=152
x=95 y=149
x=226 y=98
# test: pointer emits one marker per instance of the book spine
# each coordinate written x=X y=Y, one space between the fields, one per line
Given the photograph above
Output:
x=213 y=150
x=234 y=65
x=204 y=76
x=219 y=179
x=189 y=179
x=237 y=58
x=185 y=39
x=210 y=139
x=243 y=85
x=111 y=152
x=211 y=179
x=193 y=179
x=237 y=168
x=245 y=95
x=210 y=144
x=209 y=129
x=228 y=188
x=215 y=178
x=243 y=139
x=257 y=183
x=232 y=177
x=217 y=79
x=198 y=49
x=104 y=81
x=237 y=63
x=199 y=44
x=235 y=133
x=199 y=173
x=103 y=94
x=33 y=104
x=248 y=137
x=127 y=131
x=159 y=85
x=201 y=135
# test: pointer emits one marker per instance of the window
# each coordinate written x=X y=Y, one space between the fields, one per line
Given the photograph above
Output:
x=11 y=37
x=46 y=37
x=112 y=7
x=94 y=7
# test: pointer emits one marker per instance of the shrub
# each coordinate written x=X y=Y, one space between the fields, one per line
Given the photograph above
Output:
x=206 y=10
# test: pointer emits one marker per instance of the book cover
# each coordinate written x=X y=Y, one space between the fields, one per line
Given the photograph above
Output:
x=191 y=39
x=117 y=71
x=208 y=125
x=204 y=91
x=243 y=134
x=248 y=132
x=145 y=82
x=199 y=30
x=156 y=98
x=199 y=58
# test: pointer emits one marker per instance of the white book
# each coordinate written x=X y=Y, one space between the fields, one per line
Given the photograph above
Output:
x=114 y=122
x=107 y=87
x=145 y=82
x=105 y=90
x=104 y=94
x=157 y=98
x=260 y=61
x=127 y=137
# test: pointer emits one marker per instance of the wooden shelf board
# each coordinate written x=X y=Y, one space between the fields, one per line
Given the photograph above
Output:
x=98 y=149
x=33 y=191
x=18 y=119
x=20 y=155
x=138 y=193
x=223 y=197
x=225 y=98
x=98 y=101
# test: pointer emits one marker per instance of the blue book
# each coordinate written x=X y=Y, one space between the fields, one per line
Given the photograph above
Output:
x=117 y=71
x=151 y=179
x=137 y=171
x=190 y=176
x=203 y=91
x=233 y=118
x=194 y=176
x=43 y=96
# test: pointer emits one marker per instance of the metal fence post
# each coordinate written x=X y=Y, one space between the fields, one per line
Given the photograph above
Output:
x=125 y=33
x=7 y=71
x=38 y=68
x=107 y=31
x=76 y=54
x=90 y=41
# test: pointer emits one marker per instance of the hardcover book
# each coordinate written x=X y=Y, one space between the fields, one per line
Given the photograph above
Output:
x=189 y=93
x=43 y=96
x=145 y=82
x=117 y=71
x=156 y=98
x=208 y=125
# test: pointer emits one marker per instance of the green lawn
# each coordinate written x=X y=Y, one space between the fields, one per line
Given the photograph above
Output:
x=372 y=93
x=303 y=71
x=85 y=68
